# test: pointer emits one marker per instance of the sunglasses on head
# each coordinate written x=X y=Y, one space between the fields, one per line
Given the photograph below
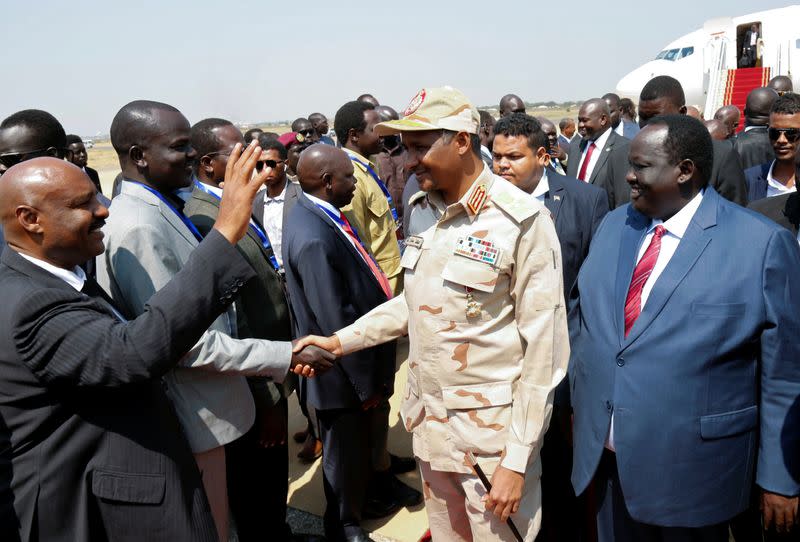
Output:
x=791 y=134
x=269 y=163
x=13 y=158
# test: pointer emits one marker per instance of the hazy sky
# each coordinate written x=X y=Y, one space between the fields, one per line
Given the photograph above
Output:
x=257 y=61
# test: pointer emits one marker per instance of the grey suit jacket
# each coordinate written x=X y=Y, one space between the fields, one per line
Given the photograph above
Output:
x=293 y=191
x=146 y=244
x=262 y=311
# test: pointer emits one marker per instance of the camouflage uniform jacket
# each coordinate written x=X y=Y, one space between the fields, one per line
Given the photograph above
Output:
x=481 y=382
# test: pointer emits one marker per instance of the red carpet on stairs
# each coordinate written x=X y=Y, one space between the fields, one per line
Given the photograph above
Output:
x=739 y=84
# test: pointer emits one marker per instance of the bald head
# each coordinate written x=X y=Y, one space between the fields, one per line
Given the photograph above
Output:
x=694 y=112
x=386 y=113
x=730 y=116
x=717 y=129
x=49 y=210
x=326 y=172
x=781 y=84
x=135 y=122
x=758 y=105
x=511 y=103
x=594 y=118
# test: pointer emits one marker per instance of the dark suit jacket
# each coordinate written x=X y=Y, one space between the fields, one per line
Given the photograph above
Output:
x=262 y=311
x=577 y=210
x=94 y=177
x=330 y=286
x=753 y=147
x=783 y=209
x=293 y=191
x=756 y=179
x=610 y=170
x=727 y=174
x=702 y=395
x=90 y=447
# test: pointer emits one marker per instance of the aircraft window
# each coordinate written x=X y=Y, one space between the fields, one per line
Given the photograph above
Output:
x=672 y=55
x=686 y=51
x=663 y=53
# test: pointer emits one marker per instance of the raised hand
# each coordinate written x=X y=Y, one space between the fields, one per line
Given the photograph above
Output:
x=329 y=344
x=241 y=187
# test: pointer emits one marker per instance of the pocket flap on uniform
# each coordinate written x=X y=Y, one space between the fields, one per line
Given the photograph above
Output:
x=728 y=424
x=128 y=487
x=477 y=275
x=477 y=395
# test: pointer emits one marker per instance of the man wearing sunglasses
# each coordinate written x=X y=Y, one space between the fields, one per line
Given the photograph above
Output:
x=752 y=144
x=304 y=126
x=27 y=134
x=781 y=84
x=777 y=177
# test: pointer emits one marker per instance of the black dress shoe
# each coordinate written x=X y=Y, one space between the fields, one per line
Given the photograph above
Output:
x=402 y=493
x=401 y=465
x=376 y=507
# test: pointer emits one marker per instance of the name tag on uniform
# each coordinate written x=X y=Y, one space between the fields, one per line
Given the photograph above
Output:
x=478 y=249
x=414 y=241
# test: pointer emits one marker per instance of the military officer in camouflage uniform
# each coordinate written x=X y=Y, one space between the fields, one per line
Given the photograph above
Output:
x=484 y=310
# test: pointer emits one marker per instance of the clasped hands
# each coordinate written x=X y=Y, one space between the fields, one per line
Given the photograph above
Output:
x=313 y=354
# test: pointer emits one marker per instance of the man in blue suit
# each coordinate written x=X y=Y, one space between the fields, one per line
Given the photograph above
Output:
x=521 y=155
x=685 y=353
x=332 y=280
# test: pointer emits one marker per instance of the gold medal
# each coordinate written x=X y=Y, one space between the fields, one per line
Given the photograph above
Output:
x=473 y=307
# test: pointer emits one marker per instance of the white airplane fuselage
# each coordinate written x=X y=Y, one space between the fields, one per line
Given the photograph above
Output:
x=698 y=58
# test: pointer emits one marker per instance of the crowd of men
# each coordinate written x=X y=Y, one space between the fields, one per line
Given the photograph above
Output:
x=603 y=339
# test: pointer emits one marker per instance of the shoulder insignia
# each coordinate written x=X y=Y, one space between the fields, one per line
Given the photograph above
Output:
x=514 y=201
x=477 y=198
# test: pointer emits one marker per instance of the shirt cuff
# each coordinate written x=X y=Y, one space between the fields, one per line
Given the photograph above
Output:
x=351 y=339
x=516 y=458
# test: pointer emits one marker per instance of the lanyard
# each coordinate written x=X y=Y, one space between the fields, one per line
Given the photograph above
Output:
x=165 y=201
x=338 y=220
x=254 y=227
x=381 y=184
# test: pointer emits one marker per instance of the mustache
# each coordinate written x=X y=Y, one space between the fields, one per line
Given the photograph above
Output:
x=97 y=224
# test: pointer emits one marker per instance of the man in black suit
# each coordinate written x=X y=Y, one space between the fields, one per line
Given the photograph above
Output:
x=520 y=155
x=783 y=209
x=663 y=95
x=778 y=176
x=600 y=155
x=753 y=144
x=258 y=462
x=332 y=280
x=91 y=448
x=76 y=153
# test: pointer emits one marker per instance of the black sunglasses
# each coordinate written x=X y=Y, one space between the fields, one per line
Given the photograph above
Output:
x=13 y=158
x=269 y=163
x=791 y=134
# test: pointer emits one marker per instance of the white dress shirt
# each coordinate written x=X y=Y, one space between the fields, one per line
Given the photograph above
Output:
x=75 y=277
x=599 y=143
x=336 y=212
x=542 y=188
x=620 y=128
x=273 y=221
x=676 y=228
x=775 y=187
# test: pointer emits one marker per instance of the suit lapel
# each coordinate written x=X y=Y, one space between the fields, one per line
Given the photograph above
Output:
x=601 y=160
x=632 y=235
x=555 y=196
x=308 y=204
x=258 y=206
x=292 y=191
x=694 y=242
x=133 y=189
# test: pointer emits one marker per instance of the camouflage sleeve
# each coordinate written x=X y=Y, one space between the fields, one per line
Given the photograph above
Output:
x=382 y=324
x=538 y=293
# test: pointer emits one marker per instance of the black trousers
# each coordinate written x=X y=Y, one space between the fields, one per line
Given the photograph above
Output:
x=258 y=485
x=615 y=524
x=346 y=467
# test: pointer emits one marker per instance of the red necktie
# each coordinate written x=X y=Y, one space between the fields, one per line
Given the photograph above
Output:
x=585 y=165
x=373 y=266
x=633 y=303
